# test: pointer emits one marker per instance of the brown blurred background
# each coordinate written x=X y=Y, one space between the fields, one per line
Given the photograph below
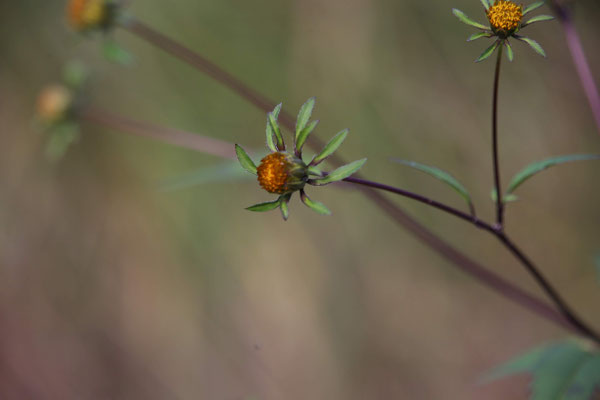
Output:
x=113 y=289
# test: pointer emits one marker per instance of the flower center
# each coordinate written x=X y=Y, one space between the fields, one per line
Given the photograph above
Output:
x=273 y=173
x=505 y=15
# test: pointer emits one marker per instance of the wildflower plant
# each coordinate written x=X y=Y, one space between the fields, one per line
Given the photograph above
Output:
x=283 y=172
x=505 y=19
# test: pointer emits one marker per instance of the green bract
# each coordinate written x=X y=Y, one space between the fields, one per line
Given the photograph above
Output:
x=505 y=20
x=284 y=173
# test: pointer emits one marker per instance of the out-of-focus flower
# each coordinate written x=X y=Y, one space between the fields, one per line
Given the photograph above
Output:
x=89 y=15
x=54 y=104
x=283 y=173
x=505 y=20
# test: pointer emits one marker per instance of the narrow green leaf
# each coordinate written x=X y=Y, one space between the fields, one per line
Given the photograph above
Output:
x=486 y=4
x=533 y=44
x=269 y=130
x=304 y=115
x=268 y=206
x=466 y=20
x=508 y=198
x=568 y=370
x=220 y=173
x=314 y=205
x=440 y=175
x=276 y=131
x=487 y=52
x=270 y=133
x=315 y=171
x=478 y=35
x=285 y=210
x=301 y=139
x=509 y=51
x=538 y=18
x=60 y=139
x=115 y=53
x=245 y=160
x=533 y=6
x=539 y=166
x=330 y=147
x=341 y=173
x=75 y=74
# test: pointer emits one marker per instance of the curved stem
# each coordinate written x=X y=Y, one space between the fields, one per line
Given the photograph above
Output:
x=497 y=186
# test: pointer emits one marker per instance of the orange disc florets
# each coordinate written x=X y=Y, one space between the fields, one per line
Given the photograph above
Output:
x=505 y=15
x=273 y=173
x=87 y=14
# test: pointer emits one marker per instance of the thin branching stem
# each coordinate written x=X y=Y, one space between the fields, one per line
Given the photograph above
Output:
x=497 y=184
x=466 y=264
x=576 y=322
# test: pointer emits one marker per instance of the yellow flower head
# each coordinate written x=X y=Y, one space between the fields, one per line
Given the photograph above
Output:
x=280 y=173
x=505 y=16
x=88 y=14
x=53 y=103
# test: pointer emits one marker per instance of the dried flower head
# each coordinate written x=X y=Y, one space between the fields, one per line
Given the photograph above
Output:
x=505 y=19
x=54 y=103
x=284 y=173
x=87 y=15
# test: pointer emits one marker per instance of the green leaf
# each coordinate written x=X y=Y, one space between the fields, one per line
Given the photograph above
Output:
x=330 y=147
x=341 y=173
x=486 y=4
x=304 y=115
x=275 y=128
x=487 y=52
x=441 y=175
x=270 y=134
x=301 y=139
x=478 y=35
x=539 y=166
x=509 y=51
x=533 y=6
x=285 y=211
x=60 y=139
x=314 y=205
x=75 y=74
x=115 y=53
x=569 y=370
x=315 y=171
x=538 y=18
x=245 y=159
x=220 y=173
x=533 y=44
x=268 y=206
x=464 y=19
x=508 y=198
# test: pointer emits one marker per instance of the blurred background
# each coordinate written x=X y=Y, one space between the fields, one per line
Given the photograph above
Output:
x=111 y=288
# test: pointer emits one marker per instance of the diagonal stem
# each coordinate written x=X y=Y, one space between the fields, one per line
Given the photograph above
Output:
x=497 y=186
